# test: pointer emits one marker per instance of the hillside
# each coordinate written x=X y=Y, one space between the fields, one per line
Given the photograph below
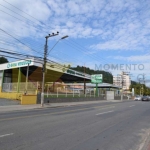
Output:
x=107 y=76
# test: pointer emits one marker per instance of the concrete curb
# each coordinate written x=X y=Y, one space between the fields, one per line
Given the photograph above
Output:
x=46 y=106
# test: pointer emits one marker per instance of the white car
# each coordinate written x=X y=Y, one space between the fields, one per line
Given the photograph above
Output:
x=138 y=98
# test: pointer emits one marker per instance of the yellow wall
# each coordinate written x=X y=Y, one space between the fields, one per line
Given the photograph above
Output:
x=25 y=99
x=28 y=99
x=10 y=95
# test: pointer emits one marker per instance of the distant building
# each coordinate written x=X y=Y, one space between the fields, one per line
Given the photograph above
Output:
x=122 y=80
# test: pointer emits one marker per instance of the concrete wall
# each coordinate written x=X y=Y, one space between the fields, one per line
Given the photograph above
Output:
x=59 y=100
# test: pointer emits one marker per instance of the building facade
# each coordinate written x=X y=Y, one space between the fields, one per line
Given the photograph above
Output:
x=123 y=80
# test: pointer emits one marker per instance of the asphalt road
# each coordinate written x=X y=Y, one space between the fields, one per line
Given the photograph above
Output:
x=103 y=126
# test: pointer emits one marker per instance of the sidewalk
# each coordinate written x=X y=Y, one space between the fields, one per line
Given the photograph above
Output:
x=51 y=105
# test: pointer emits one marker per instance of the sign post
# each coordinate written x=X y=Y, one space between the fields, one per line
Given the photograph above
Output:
x=96 y=89
x=96 y=79
x=133 y=92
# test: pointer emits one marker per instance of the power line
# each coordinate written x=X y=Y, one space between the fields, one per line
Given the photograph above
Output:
x=5 y=41
x=56 y=65
x=23 y=11
x=12 y=5
x=97 y=58
x=15 y=12
x=15 y=38
x=13 y=53
x=34 y=17
x=25 y=23
x=19 y=41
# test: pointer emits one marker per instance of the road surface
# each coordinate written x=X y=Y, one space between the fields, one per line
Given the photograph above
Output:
x=103 y=126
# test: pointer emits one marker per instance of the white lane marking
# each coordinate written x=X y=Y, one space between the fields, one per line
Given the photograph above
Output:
x=6 y=135
x=132 y=106
x=105 y=112
x=107 y=107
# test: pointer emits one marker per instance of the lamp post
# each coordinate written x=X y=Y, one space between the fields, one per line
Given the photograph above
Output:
x=57 y=43
x=45 y=60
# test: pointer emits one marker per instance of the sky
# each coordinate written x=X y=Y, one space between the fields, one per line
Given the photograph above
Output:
x=102 y=33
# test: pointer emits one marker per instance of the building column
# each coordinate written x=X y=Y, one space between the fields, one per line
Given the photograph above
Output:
x=19 y=77
x=2 y=80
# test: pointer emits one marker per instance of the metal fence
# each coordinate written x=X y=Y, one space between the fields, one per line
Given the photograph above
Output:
x=72 y=93
x=9 y=87
x=54 y=89
x=20 y=88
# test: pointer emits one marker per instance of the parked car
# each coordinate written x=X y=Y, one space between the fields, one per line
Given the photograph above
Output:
x=148 y=97
x=145 y=98
x=138 y=98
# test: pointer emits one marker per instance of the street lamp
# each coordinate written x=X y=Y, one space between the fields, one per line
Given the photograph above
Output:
x=57 y=42
x=45 y=60
x=64 y=37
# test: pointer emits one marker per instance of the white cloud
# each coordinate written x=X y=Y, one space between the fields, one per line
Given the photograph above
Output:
x=67 y=14
x=108 y=25
x=134 y=58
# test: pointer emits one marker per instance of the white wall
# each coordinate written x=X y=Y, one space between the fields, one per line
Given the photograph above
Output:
x=109 y=95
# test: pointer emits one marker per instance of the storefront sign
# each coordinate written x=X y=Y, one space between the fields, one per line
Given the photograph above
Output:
x=19 y=64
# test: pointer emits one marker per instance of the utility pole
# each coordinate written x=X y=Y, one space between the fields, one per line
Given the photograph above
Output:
x=27 y=74
x=144 y=82
x=140 y=85
x=44 y=65
x=122 y=87
x=84 y=81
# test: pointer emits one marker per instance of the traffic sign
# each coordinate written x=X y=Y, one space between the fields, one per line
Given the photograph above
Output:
x=97 y=78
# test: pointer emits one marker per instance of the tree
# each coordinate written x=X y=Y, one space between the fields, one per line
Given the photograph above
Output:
x=3 y=60
x=139 y=88
x=133 y=82
x=107 y=76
